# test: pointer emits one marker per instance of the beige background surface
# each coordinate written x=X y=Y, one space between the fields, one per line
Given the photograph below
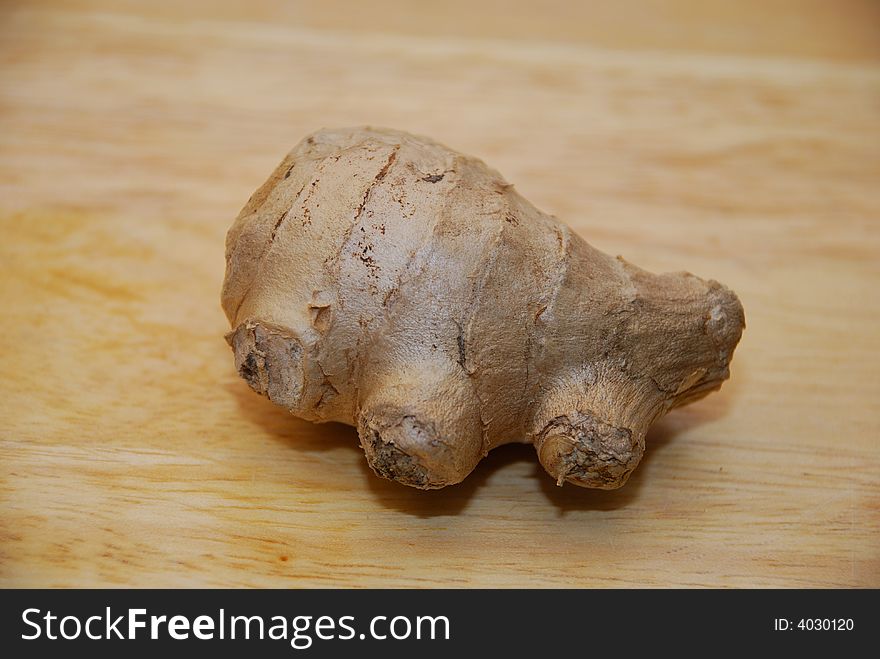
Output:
x=740 y=141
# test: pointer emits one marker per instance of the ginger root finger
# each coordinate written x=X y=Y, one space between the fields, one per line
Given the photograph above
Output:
x=385 y=281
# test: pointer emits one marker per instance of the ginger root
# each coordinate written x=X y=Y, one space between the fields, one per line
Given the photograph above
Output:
x=385 y=281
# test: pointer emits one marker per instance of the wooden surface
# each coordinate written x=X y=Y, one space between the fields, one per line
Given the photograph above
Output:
x=740 y=144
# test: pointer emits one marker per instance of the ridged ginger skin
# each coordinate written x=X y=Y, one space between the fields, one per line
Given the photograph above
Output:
x=388 y=282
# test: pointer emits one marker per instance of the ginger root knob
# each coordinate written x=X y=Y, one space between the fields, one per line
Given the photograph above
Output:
x=385 y=281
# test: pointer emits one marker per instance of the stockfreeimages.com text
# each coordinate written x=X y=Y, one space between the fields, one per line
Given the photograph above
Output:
x=301 y=631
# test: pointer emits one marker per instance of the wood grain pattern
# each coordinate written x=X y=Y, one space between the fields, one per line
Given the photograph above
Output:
x=130 y=135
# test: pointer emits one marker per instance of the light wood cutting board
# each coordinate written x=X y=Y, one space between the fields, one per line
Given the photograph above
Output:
x=130 y=136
